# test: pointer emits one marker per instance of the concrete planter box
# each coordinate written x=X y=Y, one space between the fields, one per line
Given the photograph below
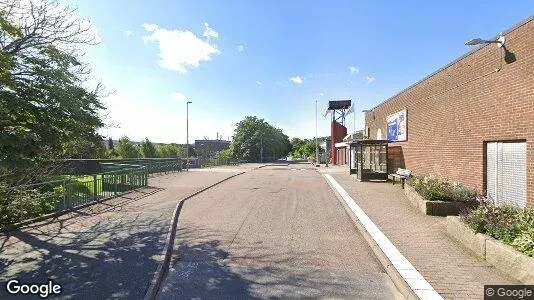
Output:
x=505 y=258
x=433 y=208
x=510 y=261
x=476 y=242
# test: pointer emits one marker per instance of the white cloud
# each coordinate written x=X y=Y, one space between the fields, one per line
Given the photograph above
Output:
x=259 y=82
x=178 y=97
x=128 y=33
x=369 y=79
x=296 y=79
x=209 y=33
x=240 y=48
x=181 y=50
x=321 y=94
x=354 y=70
x=150 y=27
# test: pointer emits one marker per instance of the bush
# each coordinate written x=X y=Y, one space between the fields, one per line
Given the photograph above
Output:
x=524 y=242
x=436 y=189
x=509 y=224
x=17 y=205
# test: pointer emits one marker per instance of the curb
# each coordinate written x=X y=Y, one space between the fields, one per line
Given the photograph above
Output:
x=380 y=244
x=163 y=267
x=503 y=257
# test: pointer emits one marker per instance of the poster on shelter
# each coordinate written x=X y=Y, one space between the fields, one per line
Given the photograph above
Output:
x=397 y=126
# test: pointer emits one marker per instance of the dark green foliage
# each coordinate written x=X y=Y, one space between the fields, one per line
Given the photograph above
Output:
x=147 y=149
x=46 y=112
x=23 y=204
x=253 y=134
x=225 y=154
x=437 y=189
x=125 y=149
x=509 y=224
x=171 y=151
x=304 y=148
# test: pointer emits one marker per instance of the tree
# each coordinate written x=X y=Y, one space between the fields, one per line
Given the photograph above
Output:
x=256 y=140
x=225 y=154
x=125 y=149
x=110 y=144
x=359 y=135
x=303 y=148
x=170 y=151
x=45 y=110
x=84 y=148
x=147 y=149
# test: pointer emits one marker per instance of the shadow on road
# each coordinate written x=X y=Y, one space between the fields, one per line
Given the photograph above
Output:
x=208 y=268
x=105 y=257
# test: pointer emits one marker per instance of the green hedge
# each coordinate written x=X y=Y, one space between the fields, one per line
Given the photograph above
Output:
x=437 y=189
x=511 y=225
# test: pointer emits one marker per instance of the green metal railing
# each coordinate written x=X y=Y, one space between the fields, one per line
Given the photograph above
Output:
x=215 y=162
x=153 y=165
x=26 y=202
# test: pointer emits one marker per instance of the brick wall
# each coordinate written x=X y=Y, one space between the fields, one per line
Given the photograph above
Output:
x=452 y=112
x=338 y=132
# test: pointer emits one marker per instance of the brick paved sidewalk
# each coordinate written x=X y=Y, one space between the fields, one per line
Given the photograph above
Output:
x=447 y=266
x=107 y=250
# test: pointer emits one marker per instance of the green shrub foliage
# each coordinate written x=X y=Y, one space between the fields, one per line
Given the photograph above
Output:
x=511 y=225
x=437 y=189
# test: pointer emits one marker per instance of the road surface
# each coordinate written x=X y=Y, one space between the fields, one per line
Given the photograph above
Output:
x=105 y=251
x=275 y=232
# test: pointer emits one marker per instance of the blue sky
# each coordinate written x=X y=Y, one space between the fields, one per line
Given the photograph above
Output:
x=271 y=59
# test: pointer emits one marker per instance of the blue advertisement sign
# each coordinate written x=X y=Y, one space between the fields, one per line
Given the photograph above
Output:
x=392 y=131
x=397 y=126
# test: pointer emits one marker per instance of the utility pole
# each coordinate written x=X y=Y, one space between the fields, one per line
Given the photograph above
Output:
x=354 y=119
x=316 y=137
x=187 y=134
x=261 y=149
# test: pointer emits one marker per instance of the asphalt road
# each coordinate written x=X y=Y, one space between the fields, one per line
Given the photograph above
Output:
x=105 y=251
x=275 y=232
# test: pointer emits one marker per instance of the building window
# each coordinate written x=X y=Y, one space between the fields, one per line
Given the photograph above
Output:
x=379 y=134
x=506 y=172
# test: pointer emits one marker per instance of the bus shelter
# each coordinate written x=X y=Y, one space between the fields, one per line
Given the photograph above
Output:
x=368 y=159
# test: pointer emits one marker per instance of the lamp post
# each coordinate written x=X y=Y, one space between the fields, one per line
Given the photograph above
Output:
x=316 y=138
x=477 y=41
x=187 y=134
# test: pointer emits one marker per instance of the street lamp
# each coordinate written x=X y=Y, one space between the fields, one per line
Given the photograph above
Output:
x=477 y=41
x=316 y=138
x=187 y=134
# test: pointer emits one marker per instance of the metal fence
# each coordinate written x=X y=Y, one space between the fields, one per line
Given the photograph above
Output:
x=153 y=166
x=215 y=162
x=27 y=202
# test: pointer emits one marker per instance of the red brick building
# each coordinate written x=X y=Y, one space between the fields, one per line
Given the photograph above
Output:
x=471 y=121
